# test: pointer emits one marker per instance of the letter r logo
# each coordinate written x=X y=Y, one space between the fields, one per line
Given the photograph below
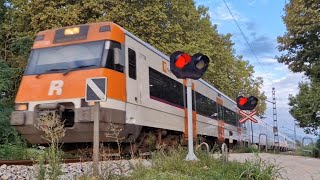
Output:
x=55 y=87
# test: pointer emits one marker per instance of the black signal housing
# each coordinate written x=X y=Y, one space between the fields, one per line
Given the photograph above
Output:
x=247 y=103
x=183 y=66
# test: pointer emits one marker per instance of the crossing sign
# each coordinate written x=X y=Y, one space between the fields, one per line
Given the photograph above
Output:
x=247 y=116
x=96 y=89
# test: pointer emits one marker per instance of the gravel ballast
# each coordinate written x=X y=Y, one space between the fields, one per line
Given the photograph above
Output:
x=73 y=170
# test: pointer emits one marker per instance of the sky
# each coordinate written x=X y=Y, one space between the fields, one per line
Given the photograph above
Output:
x=261 y=22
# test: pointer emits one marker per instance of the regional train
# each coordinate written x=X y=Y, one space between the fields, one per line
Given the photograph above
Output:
x=144 y=99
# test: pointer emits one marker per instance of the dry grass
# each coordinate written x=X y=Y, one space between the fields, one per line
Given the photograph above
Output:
x=53 y=129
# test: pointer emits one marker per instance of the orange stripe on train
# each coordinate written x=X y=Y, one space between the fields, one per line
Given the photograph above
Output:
x=72 y=86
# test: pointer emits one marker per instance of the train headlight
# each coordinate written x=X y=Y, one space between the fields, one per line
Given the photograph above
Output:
x=21 y=107
x=71 y=31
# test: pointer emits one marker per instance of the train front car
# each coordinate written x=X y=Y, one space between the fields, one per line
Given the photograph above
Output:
x=55 y=78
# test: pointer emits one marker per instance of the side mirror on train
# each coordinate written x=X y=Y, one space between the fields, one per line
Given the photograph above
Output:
x=184 y=66
x=245 y=103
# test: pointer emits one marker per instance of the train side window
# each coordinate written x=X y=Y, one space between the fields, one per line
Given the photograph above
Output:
x=113 y=56
x=132 y=64
x=230 y=116
x=220 y=112
x=165 y=89
x=205 y=106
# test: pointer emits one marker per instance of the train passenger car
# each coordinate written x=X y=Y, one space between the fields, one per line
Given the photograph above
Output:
x=144 y=99
x=262 y=134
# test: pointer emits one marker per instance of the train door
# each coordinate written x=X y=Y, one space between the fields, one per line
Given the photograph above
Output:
x=143 y=78
x=136 y=73
x=132 y=84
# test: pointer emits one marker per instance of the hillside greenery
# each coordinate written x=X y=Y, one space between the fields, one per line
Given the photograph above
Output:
x=168 y=25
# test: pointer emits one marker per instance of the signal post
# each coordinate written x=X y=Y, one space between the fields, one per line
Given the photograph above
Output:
x=183 y=66
x=96 y=92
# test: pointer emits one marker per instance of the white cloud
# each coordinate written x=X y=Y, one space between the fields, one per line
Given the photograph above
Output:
x=285 y=85
x=221 y=13
x=253 y=2
x=268 y=61
x=280 y=68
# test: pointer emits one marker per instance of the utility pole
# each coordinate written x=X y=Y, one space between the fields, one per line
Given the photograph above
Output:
x=275 y=120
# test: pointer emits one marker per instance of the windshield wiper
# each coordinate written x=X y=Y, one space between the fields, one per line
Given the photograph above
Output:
x=76 y=68
x=51 y=70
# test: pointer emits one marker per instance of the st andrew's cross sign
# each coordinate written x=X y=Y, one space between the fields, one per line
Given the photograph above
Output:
x=247 y=116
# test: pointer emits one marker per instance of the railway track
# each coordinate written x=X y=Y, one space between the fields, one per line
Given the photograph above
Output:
x=31 y=162
x=75 y=160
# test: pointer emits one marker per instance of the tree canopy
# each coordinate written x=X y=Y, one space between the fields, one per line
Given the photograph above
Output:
x=301 y=52
x=169 y=25
x=301 y=42
x=305 y=107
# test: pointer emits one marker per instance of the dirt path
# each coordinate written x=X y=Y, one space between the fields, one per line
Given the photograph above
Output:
x=294 y=167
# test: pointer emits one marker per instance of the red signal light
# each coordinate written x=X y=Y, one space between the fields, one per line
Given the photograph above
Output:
x=182 y=61
x=243 y=101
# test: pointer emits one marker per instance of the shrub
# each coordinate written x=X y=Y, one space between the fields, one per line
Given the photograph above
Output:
x=315 y=152
x=172 y=165
x=53 y=129
x=17 y=152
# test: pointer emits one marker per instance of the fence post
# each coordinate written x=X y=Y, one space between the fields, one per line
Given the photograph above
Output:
x=263 y=134
x=224 y=150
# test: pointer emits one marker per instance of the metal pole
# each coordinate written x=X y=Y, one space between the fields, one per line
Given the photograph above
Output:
x=295 y=135
x=96 y=117
x=251 y=133
x=190 y=156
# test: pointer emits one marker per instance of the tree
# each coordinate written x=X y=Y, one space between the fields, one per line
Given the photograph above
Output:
x=169 y=25
x=8 y=86
x=301 y=47
x=301 y=42
x=305 y=107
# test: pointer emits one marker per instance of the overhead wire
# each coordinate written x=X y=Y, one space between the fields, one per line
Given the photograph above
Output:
x=247 y=42
x=252 y=51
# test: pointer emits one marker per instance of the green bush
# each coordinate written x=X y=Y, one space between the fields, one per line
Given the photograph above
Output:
x=172 y=165
x=17 y=152
x=9 y=80
x=309 y=150
x=315 y=152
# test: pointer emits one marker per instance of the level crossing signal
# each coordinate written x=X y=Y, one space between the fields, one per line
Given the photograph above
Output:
x=184 y=66
x=245 y=103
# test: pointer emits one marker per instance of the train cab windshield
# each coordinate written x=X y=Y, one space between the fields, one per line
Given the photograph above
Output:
x=75 y=57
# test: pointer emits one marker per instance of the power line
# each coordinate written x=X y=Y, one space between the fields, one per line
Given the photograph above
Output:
x=264 y=71
x=251 y=49
x=253 y=52
x=247 y=41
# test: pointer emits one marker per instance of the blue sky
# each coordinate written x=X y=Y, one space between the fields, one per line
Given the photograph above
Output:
x=261 y=22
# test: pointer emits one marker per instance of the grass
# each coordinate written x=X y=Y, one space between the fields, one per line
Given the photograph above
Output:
x=172 y=165
x=17 y=152
x=313 y=151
